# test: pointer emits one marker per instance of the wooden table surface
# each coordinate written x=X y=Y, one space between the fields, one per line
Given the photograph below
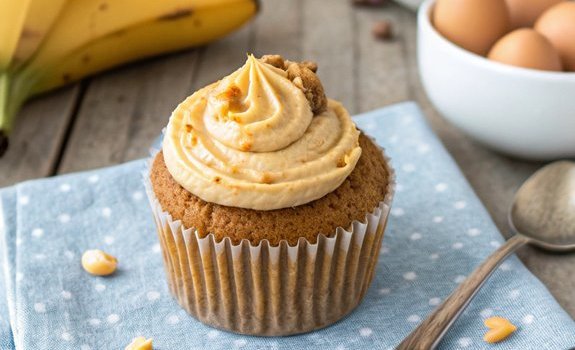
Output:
x=113 y=118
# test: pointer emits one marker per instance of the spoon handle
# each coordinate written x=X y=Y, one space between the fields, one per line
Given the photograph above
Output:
x=429 y=333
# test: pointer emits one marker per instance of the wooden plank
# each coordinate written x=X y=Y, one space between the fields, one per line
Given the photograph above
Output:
x=36 y=141
x=328 y=38
x=381 y=67
x=223 y=57
x=278 y=29
x=123 y=111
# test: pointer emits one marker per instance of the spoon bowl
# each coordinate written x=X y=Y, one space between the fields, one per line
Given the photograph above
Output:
x=544 y=208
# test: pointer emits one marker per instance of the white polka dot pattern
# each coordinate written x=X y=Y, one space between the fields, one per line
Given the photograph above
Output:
x=437 y=234
x=365 y=332
x=486 y=313
x=37 y=232
x=113 y=318
x=64 y=218
x=410 y=276
x=464 y=342
x=528 y=319
x=459 y=279
x=66 y=336
x=94 y=322
x=40 y=308
x=153 y=295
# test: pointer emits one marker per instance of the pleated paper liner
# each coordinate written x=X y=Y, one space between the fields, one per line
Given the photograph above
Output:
x=265 y=290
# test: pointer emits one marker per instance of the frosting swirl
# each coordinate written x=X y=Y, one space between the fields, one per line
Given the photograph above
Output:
x=251 y=141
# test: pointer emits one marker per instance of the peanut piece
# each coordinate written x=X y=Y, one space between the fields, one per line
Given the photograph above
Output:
x=302 y=74
x=309 y=83
x=311 y=65
x=274 y=60
x=98 y=263
x=500 y=329
x=140 y=343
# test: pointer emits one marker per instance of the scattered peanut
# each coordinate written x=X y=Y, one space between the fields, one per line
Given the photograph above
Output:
x=499 y=329
x=382 y=30
x=98 y=263
x=140 y=343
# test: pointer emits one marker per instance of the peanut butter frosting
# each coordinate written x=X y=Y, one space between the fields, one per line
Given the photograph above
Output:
x=252 y=141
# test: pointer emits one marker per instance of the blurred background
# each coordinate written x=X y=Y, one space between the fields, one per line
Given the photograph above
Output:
x=367 y=57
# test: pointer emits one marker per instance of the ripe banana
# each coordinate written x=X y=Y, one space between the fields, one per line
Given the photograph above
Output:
x=13 y=14
x=39 y=19
x=202 y=26
x=83 y=21
x=89 y=36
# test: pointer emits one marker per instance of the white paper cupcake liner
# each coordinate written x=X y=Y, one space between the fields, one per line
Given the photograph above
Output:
x=271 y=290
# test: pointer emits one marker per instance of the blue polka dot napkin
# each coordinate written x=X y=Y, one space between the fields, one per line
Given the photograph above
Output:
x=438 y=233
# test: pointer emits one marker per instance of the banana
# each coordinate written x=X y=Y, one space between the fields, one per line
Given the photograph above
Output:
x=89 y=36
x=39 y=19
x=147 y=39
x=13 y=14
x=83 y=21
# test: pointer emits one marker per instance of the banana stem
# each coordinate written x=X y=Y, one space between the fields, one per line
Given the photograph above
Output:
x=13 y=94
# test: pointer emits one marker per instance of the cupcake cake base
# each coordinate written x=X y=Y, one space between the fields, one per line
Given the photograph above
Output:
x=276 y=286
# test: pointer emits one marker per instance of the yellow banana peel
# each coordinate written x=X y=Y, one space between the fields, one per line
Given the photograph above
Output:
x=83 y=37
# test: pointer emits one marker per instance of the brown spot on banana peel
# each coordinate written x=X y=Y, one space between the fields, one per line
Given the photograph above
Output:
x=28 y=33
x=120 y=32
x=103 y=6
x=176 y=15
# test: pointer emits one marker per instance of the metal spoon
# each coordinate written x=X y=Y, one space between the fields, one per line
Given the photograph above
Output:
x=542 y=215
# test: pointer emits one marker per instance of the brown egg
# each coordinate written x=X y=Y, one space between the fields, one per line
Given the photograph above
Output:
x=472 y=24
x=526 y=48
x=523 y=13
x=558 y=25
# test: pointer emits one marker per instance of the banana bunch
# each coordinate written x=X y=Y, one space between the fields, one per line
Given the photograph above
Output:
x=45 y=44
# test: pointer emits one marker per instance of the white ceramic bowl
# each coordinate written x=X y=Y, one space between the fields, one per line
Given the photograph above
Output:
x=521 y=112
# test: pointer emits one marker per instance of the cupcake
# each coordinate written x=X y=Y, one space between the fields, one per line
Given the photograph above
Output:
x=270 y=204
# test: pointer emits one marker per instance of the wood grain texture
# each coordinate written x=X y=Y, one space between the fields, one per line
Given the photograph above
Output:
x=278 y=29
x=381 y=65
x=328 y=38
x=38 y=136
x=124 y=110
x=429 y=333
x=222 y=57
